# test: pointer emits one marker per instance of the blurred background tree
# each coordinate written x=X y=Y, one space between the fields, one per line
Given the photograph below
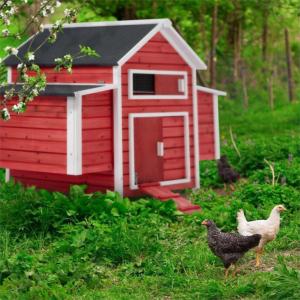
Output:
x=251 y=47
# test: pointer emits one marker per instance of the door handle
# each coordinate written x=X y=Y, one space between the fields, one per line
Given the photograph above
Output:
x=160 y=149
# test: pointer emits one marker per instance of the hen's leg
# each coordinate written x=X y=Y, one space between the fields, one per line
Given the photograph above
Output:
x=235 y=270
x=258 y=255
x=227 y=271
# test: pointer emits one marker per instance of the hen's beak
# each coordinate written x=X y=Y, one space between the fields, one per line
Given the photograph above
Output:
x=204 y=222
x=282 y=208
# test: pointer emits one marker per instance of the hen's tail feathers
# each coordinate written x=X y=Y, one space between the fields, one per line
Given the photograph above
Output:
x=241 y=216
x=253 y=240
x=242 y=223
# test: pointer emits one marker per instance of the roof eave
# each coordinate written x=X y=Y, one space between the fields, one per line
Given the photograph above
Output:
x=210 y=91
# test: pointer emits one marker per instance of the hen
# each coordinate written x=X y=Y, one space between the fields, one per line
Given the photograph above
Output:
x=226 y=172
x=230 y=247
x=268 y=229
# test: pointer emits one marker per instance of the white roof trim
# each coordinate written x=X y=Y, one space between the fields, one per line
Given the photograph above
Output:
x=183 y=48
x=139 y=45
x=95 y=90
x=211 y=91
x=115 y=23
x=180 y=45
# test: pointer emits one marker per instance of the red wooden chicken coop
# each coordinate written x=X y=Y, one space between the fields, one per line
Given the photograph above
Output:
x=132 y=120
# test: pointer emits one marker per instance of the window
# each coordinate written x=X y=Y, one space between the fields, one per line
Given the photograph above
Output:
x=153 y=84
x=143 y=84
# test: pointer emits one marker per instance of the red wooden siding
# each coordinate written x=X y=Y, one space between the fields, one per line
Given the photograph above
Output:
x=206 y=125
x=62 y=183
x=78 y=75
x=36 y=140
x=167 y=85
x=158 y=54
x=97 y=132
x=174 y=156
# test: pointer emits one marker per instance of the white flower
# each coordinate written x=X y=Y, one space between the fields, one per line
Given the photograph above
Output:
x=8 y=3
x=5 y=114
x=35 y=92
x=5 y=32
x=58 y=3
x=41 y=28
x=14 y=51
x=12 y=11
x=11 y=50
x=25 y=1
x=67 y=12
x=6 y=21
x=44 y=13
x=30 y=56
x=20 y=107
x=20 y=66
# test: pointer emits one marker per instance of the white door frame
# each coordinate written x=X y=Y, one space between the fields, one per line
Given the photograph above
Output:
x=185 y=115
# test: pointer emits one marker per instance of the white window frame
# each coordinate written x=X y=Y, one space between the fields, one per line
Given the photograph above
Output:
x=185 y=115
x=131 y=96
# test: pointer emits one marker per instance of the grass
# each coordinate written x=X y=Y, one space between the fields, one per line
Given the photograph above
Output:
x=105 y=247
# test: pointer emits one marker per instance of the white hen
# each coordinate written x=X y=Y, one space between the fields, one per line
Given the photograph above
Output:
x=268 y=229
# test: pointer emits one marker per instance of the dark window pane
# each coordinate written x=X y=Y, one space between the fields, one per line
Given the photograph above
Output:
x=143 y=83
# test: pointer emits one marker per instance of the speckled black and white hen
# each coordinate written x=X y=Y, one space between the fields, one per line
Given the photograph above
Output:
x=230 y=247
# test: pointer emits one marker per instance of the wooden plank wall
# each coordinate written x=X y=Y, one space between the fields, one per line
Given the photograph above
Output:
x=206 y=125
x=36 y=140
x=97 y=149
x=157 y=54
x=97 y=132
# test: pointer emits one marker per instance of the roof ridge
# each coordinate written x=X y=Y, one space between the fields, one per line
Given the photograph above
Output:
x=166 y=22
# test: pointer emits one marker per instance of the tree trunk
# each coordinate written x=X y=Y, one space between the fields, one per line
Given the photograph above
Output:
x=264 y=37
x=244 y=85
x=270 y=90
x=289 y=65
x=213 y=47
x=237 y=41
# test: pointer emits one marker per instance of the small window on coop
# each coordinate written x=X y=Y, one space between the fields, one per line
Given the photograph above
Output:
x=158 y=85
x=143 y=84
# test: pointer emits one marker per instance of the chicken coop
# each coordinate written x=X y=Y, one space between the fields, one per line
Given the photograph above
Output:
x=133 y=120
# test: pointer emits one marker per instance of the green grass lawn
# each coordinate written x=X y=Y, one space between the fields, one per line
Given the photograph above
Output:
x=104 y=247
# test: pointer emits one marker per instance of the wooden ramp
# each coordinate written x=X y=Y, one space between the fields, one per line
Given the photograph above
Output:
x=163 y=194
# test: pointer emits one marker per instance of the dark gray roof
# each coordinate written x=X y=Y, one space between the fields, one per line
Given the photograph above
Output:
x=55 y=89
x=111 y=42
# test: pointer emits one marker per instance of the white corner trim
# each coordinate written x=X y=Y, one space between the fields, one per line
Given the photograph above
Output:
x=210 y=91
x=7 y=175
x=165 y=22
x=183 y=48
x=196 y=131
x=131 y=96
x=216 y=126
x=104 y=88
x=74 y=135
x=140 y=44
x=185 y=116
x=118 y=133
x=9 y=75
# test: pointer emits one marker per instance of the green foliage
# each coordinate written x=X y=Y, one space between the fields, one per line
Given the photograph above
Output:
x=284 y=283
